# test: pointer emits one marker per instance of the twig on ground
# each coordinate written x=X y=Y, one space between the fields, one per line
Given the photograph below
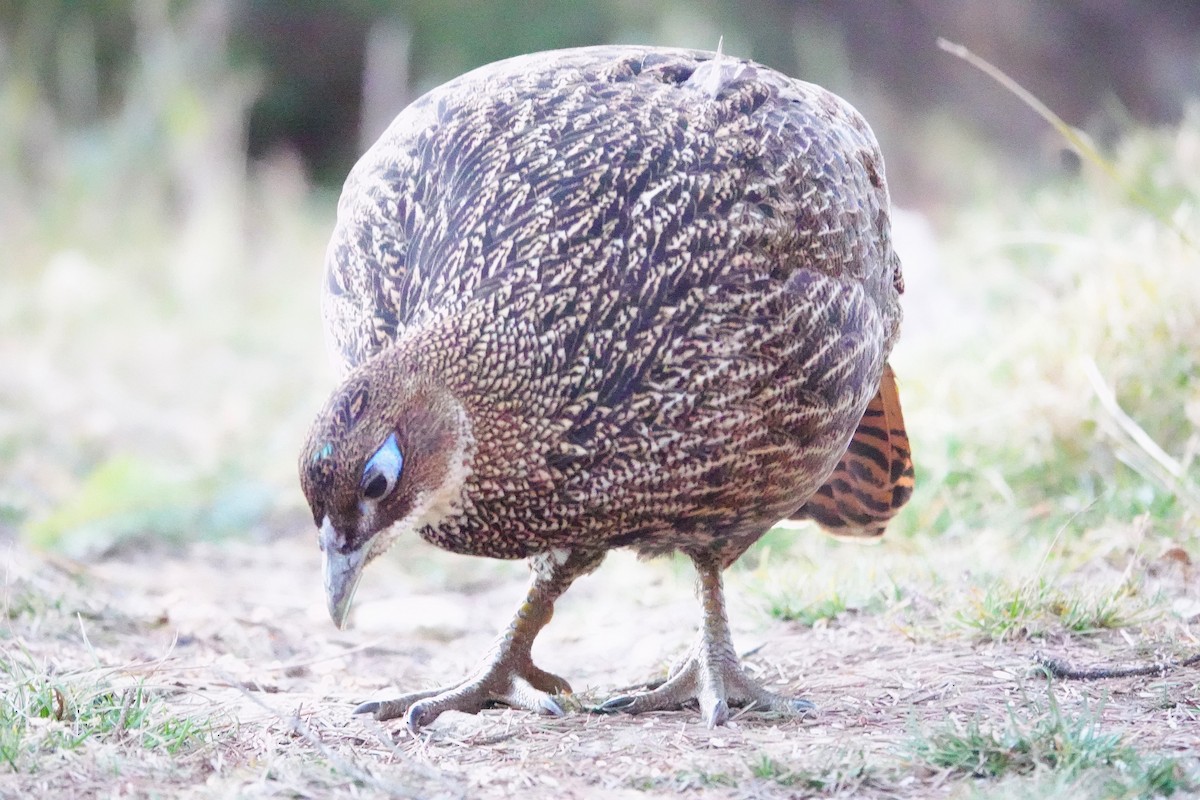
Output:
x=1061 y=669
x=127 y=698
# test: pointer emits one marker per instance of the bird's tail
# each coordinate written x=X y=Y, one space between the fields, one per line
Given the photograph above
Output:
x=874 y=479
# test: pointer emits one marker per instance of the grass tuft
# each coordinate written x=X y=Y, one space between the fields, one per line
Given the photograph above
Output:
x=839 y=774
x=783 y=586
x=42 y=714
x=1041 y=751
x=789 y=608
x=1151 y=778
x=687 y=780
x=1039 y=608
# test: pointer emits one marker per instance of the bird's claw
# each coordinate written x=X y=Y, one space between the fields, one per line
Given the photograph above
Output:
x=801 y=706
x=714 y=710
x=367 y=708
x=421 y=714
x=615 y=704
x=551 y=707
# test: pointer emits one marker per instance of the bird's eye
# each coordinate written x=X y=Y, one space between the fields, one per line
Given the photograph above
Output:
x=376 y=488
x=382 y=471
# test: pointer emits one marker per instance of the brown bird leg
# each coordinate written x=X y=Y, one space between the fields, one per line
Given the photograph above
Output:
x=710 y=673
x=507 y=673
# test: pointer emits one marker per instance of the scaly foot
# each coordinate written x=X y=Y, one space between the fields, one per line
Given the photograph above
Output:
x=504 y=681
x=710 y=674
x=507 y=675
x=715 y=682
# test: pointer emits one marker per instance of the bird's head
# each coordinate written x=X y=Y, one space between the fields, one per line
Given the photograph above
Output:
x=388 y=453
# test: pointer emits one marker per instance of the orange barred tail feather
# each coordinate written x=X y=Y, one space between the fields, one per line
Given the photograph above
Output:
x=874 y=479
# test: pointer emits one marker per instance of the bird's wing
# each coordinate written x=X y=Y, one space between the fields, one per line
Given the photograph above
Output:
x=459 y=187
x=874 y=479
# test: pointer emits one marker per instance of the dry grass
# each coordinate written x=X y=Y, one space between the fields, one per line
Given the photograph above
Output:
x=164 y=631
x=1068 y=300
x=229 y=648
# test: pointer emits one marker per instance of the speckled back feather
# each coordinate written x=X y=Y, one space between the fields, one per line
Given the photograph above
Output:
x=663 y=297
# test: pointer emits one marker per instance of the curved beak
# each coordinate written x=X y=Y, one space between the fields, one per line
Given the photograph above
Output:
x=342 y=572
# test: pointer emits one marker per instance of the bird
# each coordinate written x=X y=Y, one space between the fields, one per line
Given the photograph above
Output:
x=608 y=297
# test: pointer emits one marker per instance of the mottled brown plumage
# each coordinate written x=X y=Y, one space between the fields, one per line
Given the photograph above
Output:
x=596 y=298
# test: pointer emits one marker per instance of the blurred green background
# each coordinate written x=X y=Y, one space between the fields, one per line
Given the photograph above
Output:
x=168 y=175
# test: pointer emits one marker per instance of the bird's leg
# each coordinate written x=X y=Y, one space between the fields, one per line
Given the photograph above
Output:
x=711 y=673
x=507 y=675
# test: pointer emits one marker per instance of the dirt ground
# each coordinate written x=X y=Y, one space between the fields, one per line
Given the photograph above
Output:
x=237 y=634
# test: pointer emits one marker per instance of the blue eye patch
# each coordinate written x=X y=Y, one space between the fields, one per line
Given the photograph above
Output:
x=382 y=470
